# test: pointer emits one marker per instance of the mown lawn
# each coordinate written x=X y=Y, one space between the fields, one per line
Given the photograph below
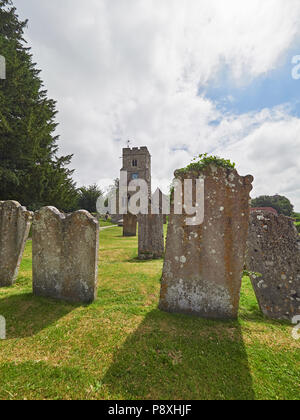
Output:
x=106 y=223
x=123 y=347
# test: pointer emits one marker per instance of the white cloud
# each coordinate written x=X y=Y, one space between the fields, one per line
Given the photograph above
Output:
x=131 y=69
x=272 y=151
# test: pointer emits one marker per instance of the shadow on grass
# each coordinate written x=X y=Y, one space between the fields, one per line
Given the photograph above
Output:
x=179 y=357
x=26 y=314
x=259 y=318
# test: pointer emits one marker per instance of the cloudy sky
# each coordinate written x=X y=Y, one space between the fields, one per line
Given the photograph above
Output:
x=180 y=76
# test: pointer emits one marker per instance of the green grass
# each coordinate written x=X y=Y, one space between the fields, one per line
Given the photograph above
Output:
x=297 y=221
x=123 y=347
x=105 y=223
x=297 y=216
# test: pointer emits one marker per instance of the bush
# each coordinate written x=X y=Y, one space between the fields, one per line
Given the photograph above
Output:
x=204 y=160
x=88 y=197
x=277 y=202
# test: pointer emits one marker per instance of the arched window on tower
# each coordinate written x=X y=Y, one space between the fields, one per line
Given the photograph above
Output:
x=134 y=163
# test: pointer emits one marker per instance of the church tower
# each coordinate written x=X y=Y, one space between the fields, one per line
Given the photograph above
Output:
x=137 y=163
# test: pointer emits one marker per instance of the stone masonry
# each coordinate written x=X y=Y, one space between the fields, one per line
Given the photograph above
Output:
x=65 y=255
x=204 y=264
x=15 y=223
x=151 y=236
x=273 y=259
x=137 y=164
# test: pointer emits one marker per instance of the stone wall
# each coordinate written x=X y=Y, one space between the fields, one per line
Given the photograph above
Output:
x=65 y=255
x=203 y=264
x=151 y=236
x=15 y=223
x=273 y=258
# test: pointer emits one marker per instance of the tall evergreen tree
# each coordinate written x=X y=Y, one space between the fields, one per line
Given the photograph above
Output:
x=30 y=170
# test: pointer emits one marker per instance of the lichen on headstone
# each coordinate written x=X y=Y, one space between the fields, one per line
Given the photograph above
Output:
x=273 y=262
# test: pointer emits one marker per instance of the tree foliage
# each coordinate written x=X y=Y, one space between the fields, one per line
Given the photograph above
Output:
x=277 y=202
x=30 y=169
x=204 y=160
x=88 y=197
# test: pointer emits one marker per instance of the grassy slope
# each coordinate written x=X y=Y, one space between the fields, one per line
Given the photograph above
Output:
x=123 y=347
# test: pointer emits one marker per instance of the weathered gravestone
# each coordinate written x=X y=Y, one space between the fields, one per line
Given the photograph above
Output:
x=204 y=263
x=15 y=223
x=151 y=236
x=2 y=328
x=129 y=225
x=273 y=259
x=65 y=255
x=160 y=204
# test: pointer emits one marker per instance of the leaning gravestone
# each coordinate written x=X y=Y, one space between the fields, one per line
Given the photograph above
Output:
x=65 y=255
x=273 y=259
x=15 y=223
x=203 y=264
x=129 y=225
x=151 y=236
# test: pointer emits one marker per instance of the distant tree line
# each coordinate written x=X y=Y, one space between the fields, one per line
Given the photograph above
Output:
x=297 y=220
x=87 y=198
x=277 y=202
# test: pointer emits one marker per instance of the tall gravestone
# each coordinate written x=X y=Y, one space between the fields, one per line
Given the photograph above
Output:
x=65 y=255
x=151 y=236
x=160 y=204
x=204 y=263
x=273 y=259
x=15 y=223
